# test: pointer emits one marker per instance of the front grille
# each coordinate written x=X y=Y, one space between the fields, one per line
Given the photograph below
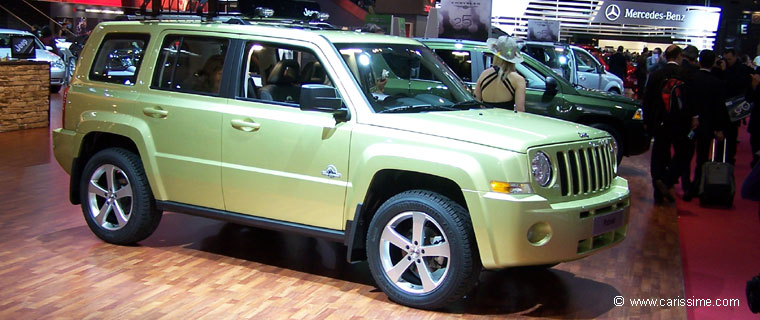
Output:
x=587 y=169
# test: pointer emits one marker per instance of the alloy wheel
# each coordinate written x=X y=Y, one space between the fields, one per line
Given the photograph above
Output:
x=414 y=252
x=109 y=196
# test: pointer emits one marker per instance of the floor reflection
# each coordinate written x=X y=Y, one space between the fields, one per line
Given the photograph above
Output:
x=535 y=292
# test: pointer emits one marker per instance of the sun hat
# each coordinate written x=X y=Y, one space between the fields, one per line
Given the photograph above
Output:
x=505 y=47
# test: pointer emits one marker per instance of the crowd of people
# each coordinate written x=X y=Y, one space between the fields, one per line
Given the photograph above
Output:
x=684 y=94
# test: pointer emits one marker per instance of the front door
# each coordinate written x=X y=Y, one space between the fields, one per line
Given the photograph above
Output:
x=278 y=161
x=588 y=70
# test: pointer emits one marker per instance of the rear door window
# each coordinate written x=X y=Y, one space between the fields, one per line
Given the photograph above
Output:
x=119 y=57
x=190 y=64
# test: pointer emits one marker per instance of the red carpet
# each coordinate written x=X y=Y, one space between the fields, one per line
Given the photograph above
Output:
x=720 y=248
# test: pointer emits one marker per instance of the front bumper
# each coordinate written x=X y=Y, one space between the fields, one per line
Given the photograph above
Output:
x=57 y=76
x=502 y=223
x=637 y=140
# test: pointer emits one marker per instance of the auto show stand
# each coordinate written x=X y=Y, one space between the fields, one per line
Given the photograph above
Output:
x=24 y=95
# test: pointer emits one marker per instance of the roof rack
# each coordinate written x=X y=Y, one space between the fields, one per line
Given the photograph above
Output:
x=262 y=16
x=193 y=8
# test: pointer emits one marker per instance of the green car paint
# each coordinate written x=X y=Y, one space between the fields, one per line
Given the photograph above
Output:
x=620 y=115
x=325 y=171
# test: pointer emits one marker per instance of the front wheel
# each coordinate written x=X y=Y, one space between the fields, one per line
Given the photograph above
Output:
x=117 y=202
x=421 y=250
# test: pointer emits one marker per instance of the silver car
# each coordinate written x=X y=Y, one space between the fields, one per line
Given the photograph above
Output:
x=57 y=68
x=574 y=64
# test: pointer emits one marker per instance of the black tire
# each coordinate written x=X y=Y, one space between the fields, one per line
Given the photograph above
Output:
x=614 y=90
x=140 y=216
x=445 y=222
x=615 y=135
x=55 y=88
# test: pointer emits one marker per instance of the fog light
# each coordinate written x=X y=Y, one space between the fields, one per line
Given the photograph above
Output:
x=539 y=234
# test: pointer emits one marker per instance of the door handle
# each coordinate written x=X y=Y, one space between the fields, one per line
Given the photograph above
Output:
x=582 y=78
x=156 y=112
x=246 y=125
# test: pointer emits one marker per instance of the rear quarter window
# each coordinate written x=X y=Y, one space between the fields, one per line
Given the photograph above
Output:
x=119 y=57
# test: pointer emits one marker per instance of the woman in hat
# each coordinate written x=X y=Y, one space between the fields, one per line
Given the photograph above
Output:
x=501 y=86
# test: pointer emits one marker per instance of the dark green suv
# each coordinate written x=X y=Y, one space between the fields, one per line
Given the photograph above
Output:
x=551 y=95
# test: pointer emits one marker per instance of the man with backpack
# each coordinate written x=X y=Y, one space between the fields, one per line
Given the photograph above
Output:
x=670 y=122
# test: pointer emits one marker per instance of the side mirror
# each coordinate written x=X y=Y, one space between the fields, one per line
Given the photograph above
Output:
x=551 y=85
x=49 y=48
x=599 y=69
x=322 y=98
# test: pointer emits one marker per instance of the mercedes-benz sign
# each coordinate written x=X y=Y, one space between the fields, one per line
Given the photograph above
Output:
x=612 y=12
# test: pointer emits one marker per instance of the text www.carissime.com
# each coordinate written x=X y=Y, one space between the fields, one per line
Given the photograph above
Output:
x=620 y=301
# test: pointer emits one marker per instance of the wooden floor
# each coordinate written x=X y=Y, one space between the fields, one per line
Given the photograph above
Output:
x=52 y=266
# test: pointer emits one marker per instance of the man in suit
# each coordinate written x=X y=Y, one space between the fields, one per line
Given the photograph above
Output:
x=754 y=121
x=706 y=93
x=619 y=64
x=737 y=77
x=668 y=127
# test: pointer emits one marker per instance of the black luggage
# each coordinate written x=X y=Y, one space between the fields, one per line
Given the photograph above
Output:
x=717 y=186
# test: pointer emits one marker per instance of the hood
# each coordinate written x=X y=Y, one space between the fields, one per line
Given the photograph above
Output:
x=41 y=55
x=599 y=94
x=44 y=55
x=496 y=128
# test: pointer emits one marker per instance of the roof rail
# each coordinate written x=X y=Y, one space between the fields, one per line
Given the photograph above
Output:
x=157 y=8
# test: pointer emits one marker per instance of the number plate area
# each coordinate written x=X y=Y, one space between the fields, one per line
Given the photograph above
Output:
x=609 y=222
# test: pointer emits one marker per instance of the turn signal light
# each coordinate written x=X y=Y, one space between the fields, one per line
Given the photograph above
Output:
x=510 y=188
x=63 y=106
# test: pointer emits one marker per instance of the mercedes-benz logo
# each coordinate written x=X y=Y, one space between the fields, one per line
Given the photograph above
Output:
x=612 y=12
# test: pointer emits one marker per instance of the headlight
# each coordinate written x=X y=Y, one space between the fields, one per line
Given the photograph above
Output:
x=58 y=63
x=541 y=168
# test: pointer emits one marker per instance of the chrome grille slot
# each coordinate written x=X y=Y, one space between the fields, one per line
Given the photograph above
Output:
x=584 y=169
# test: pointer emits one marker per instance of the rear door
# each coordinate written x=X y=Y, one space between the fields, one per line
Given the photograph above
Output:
x=182 y=110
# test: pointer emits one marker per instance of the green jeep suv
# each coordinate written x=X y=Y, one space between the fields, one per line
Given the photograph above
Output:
x=364 y=139
x=549 y=94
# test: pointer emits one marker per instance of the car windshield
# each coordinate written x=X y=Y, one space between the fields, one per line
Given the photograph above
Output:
x=5 y=41
x=405 y=78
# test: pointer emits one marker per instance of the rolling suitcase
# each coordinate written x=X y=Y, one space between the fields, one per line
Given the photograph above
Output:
x=716 y=187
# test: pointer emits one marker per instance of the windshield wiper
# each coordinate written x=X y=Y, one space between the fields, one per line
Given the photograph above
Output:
x=420 y=107
x=470 y=104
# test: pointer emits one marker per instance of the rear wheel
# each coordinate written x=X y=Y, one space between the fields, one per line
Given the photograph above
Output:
x=421 y=250
x=117 y=202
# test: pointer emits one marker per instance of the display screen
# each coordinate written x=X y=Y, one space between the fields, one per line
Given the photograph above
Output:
x=22 y=47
